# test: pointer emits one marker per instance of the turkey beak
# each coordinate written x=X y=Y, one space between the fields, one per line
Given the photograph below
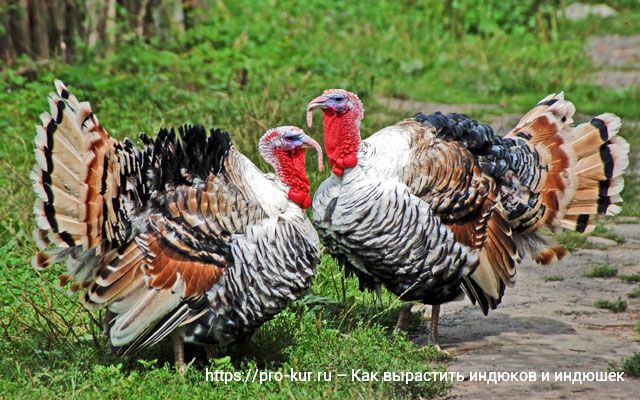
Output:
x=318 y=102
x=307 y=143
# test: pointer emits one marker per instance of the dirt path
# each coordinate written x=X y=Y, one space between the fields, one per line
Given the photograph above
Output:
x=549 y=326
x=618 y=58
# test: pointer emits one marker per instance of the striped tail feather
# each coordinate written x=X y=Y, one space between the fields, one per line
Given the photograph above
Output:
x=63 y=153
x=76 y=181
x=583 y=166
x=90 y=188
x=547 y=129
x=603 y=157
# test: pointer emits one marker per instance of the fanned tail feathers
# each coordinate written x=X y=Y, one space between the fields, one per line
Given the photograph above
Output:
x=547 y=129
x=91 y=188
x=582 y=166
x=603 y=156
x=67 y=147
x=72 y=178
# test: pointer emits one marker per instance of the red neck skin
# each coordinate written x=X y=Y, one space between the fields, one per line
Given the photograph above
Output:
x=341 y=139
x=292 y=171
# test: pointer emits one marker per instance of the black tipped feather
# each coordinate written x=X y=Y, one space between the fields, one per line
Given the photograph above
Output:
x=583 y=221
x=602 y=128
x=549 y=102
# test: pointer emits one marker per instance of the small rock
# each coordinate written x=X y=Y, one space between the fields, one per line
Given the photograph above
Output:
x=600 y=242
x=580 y=11
x=412 y=67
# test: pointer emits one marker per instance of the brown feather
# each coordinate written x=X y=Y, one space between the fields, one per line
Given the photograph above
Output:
x=168 y=266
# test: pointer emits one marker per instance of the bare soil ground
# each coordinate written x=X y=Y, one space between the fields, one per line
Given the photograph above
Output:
x=549 y=326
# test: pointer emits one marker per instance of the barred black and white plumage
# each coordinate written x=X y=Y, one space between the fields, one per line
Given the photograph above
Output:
x=439 y=205
x=183 y=235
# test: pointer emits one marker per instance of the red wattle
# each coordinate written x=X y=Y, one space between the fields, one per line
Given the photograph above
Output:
x=291 y=169
x=350 y=161
x=306 y=203
x=300 y=198
x=341 y=140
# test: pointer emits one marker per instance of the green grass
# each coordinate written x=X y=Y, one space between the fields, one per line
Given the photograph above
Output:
x=634 y=293
x=320 y=333
x=571 y=240
x=631 y=365
x=574 y=240
x=292 y=51
x=616 y=306
x=553 y=278
x=369 y=348
x=633 y=278
x=601 y=271
x=631 y=192
x=606 y=233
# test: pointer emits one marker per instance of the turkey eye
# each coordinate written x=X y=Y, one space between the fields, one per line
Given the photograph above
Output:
x=338 y=99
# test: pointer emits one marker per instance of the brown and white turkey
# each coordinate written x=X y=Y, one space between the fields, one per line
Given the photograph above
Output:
x=438 y=205
x=183 y=235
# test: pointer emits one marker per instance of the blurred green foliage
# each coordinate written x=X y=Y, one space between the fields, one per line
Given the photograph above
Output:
x=494 y=16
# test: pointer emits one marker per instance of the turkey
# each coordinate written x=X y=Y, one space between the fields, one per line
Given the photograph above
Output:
x=438 y=206
x=183 y=236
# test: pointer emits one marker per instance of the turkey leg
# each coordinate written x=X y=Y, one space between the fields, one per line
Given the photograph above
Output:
x=433 y=334
x=178 y=353
x=403 y=317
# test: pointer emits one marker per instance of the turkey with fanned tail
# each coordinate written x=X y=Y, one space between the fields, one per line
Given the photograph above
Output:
x=438 y=206
x=182 y=236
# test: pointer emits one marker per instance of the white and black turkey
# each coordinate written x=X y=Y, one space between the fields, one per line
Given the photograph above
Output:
x=184 y=235
x=438 y=205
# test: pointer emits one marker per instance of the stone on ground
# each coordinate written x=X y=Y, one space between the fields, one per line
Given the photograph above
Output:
x=580 y=11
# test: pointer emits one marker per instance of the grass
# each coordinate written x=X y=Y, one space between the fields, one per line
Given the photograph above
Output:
x=630 y=193
x=316 y=334
x=369 y=348
x=631 y=365
x=601 y=271
x=606 y=233
x=616 y=306
x=574 y=240
x=291 y=51
x=632 y=278
x=634 y=293
x=571 y=240
x=553 y=278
